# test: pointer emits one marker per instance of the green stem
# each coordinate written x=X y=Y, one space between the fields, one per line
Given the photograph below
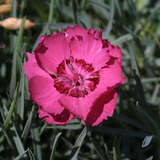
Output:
x=50 y=17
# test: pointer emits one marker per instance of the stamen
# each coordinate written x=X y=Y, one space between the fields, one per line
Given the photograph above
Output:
x=71 y=78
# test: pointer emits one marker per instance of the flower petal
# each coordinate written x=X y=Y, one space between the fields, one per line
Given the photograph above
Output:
x=90 y=49
x=80 y=107
x=114 y=51
x=102 y=108
x=64 y=117
x=111 y=76
x=76 y=30
x=100 y=59
x=31 y=68
x=43 y=93
x=94 y=108
x=51 y=51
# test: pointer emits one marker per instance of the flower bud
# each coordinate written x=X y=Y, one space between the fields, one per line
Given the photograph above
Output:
x=5 y=8
x=13 y=23
x=6 y=1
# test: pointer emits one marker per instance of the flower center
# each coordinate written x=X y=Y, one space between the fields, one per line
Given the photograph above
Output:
x=75 y=78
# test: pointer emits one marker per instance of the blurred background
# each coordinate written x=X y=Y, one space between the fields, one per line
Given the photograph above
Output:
x=133 y=133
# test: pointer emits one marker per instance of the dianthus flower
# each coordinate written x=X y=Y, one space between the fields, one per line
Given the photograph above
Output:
x=73 y=74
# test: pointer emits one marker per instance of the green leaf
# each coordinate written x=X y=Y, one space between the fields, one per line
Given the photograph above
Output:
x=14 y=8
x=50 y=17
x=114 y=154
x=78 y=144
x=150 y=158
x=109 y=26
x=117 y=4
x=37 y=146
x=70 y=126
x=16 y=62
x=155 y=93
x=133 y=60
x=6 y=136
x=42 y=130
x=23 y=5
x=28 y=124
x=98 y=149
x=146 y=141
x=11 y=109
x=75 y=11
x=99 y=3
x=21 y=156
x=122 y=39
x=54 y=146
x=31 y=155
x=17 y=141
x=20 y=104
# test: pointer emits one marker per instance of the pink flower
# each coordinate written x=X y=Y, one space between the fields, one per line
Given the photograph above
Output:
x=73 y=74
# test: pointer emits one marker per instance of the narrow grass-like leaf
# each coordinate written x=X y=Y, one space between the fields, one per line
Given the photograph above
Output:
x=37 y=146
x=117 y=4
x=2 y=114
x=15 y=62
x=98 y=150
x=100 y=3
x=67 y=142
x=20 y=106
x=26 y=92
x=14 y=8
x=122 y=39
x=154 y=125
x=21 y=156
x=109 y=26
x=15 y=136
x=31 y=155
x=43 y=129
x=50 y=17
x=133 y=60
x=114 y=154
x=2 y=139
x=23 y=5
x=155 y=93
x=150 y=80
x=140 y=95
x=78 y=144
x=108 y=155
x=146 y=141
x=51 y=9
x=150 y=158
x=67 y=126
x=80 y=138
x=75 y=11
x=28 y=124
x=54 y=146
x=11 y=109
x=101 y=9
x=6 y=136
x=17 y=141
